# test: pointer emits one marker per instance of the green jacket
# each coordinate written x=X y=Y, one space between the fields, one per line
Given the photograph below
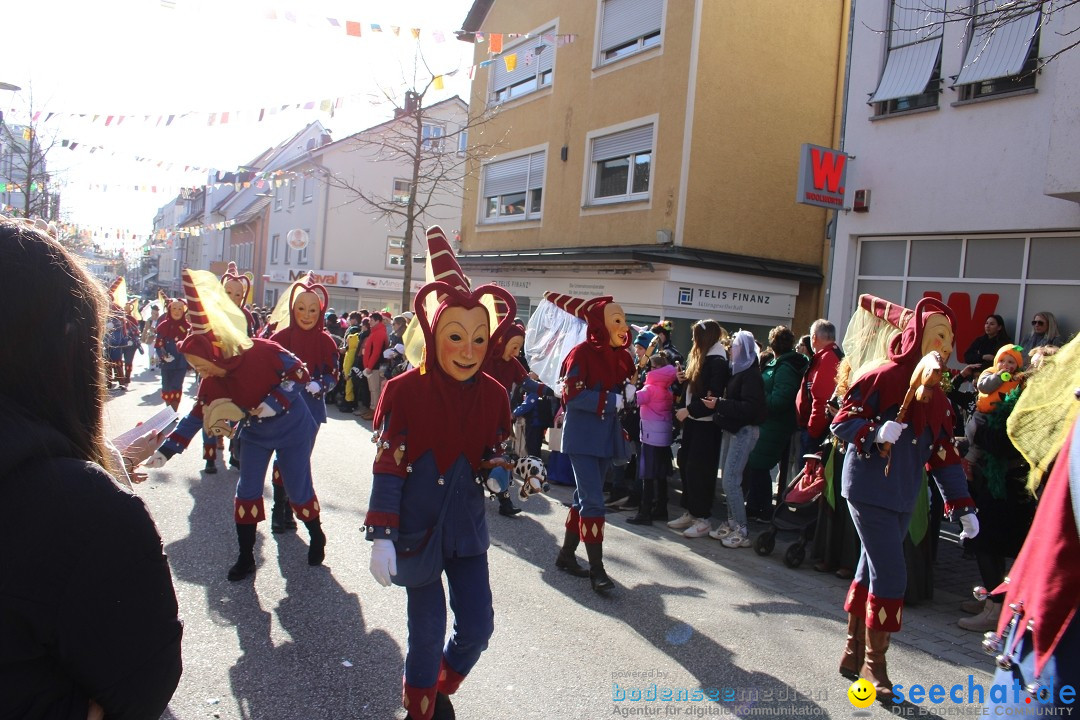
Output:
x=782 y=378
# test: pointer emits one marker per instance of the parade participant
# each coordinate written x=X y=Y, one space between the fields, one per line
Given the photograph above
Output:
x=883 y=472
x=306 y=338
x=238 y=288
x=132 y=339
x=171 y=330
x=437 y=426
x=596 y=378
x=264 y=381
x=149 y=333
x=115 y=338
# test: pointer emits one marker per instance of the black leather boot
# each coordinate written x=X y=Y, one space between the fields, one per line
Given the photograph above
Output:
x=645 y=507
x=444 y=709
x=317 y=546
x=281 y=515
x=245 y=563
x=506 y=507
x=601 y=583
x=566 y=561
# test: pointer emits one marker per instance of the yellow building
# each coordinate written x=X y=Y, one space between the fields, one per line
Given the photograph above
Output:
x=649 y=149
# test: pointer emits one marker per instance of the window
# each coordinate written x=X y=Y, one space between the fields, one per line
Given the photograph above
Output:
x=302 y=254
x=288 y=251
x=395 y=253
x=462 y=142
x=309 y=188
x=1003 y=53
x=432 y=135
x=292 y=193
x=912 y=75
x=401 y=192
x=621 y=165
x=513 y=189
x=275 y=248
x=523 y=68
x=628 y=27
x=277 y=198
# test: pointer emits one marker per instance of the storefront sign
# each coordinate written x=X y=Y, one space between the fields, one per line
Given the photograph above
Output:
x=822 y=176
x=323 y=277
x=384 y=284
x=730 y=299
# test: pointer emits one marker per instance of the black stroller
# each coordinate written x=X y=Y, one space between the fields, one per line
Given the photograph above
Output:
x=797 y=511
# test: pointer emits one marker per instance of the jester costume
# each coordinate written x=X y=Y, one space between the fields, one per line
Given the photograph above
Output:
x=882 y=488
x=309 y=341
x=266 y=382
x=595 y=375
x=171 y=330
x=438 y=425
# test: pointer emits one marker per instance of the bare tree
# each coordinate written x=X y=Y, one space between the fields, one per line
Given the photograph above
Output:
x=438 y=161
x=23 y=152
x=993 y=16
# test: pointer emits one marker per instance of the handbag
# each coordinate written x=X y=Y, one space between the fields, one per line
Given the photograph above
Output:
x=420 y=553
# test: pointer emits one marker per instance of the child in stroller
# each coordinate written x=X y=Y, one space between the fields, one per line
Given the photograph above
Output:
x=797 y=510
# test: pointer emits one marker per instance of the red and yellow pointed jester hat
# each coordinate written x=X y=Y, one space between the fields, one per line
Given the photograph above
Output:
x=218 y=328
x=598 y=363
x=118 y=296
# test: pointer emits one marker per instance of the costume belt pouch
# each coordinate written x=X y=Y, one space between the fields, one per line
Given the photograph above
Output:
x=420 y=553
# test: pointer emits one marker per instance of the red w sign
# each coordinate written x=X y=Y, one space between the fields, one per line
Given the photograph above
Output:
x=822 y=175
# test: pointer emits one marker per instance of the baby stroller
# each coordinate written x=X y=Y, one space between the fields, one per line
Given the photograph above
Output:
x=797 y=511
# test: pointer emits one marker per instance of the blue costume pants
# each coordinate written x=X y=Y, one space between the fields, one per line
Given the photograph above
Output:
x=589 y=474
x=292 y=436
x=474 y=621
x=881 y=567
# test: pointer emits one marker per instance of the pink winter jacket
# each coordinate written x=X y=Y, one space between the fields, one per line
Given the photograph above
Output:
x=655 y=401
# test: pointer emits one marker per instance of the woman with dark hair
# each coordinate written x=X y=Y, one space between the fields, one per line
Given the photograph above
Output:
x=706 y=377
x=87 y=608
x=980 y=354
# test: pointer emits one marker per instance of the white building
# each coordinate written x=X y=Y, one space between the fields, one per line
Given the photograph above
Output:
x=971 y=163
x=354 y=250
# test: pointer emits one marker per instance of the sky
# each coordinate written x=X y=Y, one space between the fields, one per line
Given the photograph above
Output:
x=193 y=58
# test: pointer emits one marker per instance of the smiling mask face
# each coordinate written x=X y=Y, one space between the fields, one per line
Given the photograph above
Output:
x=938 y=335
x=235 y=290
x=513 y=347
x=461 y=340
x=306 y=310
x=177 y=310
x=615 y=322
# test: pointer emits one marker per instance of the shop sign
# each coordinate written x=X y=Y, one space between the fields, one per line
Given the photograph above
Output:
x=323 y=277
x=730 y=299
x=384 y=284
x=822 y=176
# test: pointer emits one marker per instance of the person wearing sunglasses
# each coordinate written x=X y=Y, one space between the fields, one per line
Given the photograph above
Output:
x=1044 y=331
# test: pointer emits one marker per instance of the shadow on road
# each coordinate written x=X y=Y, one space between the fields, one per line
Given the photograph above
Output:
x=318 y=661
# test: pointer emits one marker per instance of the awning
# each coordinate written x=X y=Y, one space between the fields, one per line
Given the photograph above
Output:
x=914 y=48
x=998 y=49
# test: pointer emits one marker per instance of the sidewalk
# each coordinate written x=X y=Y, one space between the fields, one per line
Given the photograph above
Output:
x=929 y=626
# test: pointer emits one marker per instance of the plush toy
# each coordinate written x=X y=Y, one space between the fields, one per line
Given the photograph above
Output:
x=533 y=475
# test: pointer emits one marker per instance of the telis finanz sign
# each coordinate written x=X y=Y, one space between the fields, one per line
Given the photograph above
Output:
x=822 y=177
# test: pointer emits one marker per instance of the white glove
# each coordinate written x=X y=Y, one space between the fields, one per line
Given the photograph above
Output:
x=313 y=387
x=157 y=460
x=383 y=561
x=167 y=358
x=889 y=432
x=630 y=392
x=620 y=402
x=399 y=349
x=388 y=353
x=264 y=411
x=970 y=525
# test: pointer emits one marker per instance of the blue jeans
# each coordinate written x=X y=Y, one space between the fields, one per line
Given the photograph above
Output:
x=738 y=447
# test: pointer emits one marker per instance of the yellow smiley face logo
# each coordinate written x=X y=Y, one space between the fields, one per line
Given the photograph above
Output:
x=861 y=694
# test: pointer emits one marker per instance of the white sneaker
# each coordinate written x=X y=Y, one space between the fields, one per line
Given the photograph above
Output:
x=721 y=532
x=737 y=538
x=682 y=523
x=700 y=528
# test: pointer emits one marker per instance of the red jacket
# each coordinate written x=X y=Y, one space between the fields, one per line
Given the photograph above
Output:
x=818 y=385
x=374 y=346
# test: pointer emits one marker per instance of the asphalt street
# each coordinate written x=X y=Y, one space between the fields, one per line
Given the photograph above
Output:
x=329 y=642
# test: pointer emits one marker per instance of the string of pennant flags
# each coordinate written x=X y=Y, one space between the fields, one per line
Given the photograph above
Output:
x=328 y=105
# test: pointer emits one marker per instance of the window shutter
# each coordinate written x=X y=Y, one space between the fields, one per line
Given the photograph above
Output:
x=506 y=176
x=626 y=20
x=622 y=144
x=501 y=78
x=1001 y=53
x=914 y=46
x=536 y=171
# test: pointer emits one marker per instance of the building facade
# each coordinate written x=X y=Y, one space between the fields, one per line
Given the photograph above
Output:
x=650 y=148
x=966 y=150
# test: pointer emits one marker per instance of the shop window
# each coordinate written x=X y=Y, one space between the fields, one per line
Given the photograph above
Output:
x=935 y=258
x=884 y=258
